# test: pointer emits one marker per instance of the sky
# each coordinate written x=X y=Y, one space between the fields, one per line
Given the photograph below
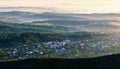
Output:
x=72 y=6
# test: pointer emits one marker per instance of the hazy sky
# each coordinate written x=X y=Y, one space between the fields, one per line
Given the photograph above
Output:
x=75 y=6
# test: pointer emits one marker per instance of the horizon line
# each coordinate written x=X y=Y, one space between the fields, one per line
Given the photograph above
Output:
x=52 y=9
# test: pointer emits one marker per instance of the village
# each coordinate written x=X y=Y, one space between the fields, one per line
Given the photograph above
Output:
x=55 y=49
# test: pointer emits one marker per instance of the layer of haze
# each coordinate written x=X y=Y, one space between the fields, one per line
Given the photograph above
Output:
x=71 y=6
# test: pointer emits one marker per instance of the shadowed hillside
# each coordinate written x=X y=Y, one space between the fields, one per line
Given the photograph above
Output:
x=105 y=62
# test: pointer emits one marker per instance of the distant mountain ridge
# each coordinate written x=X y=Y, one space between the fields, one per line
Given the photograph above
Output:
x=73 y=22
x=20 y=16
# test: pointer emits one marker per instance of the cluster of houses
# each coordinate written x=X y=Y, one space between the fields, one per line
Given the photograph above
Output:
x=54 y=44
x=59 y=46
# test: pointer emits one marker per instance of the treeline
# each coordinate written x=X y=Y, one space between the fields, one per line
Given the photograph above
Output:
x=14 y=39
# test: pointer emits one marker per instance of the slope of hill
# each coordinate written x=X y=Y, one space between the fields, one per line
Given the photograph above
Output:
x=26 y=34
x=105 y=62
